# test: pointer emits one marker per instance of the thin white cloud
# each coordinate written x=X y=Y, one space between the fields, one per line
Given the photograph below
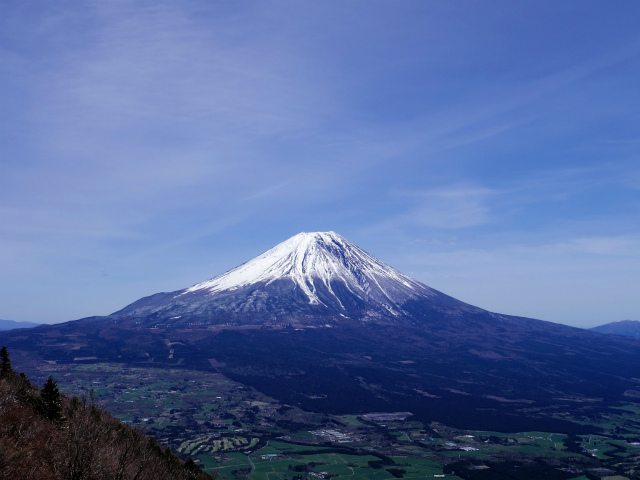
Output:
x=266 y=192
x=454 y=207
x=610 y=246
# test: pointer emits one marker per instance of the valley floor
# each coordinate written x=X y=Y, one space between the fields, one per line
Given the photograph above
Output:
x=236 y=432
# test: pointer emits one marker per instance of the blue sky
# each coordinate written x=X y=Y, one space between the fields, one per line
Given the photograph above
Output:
x=488 y=149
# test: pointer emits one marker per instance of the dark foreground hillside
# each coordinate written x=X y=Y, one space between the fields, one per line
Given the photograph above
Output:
x=44 y=436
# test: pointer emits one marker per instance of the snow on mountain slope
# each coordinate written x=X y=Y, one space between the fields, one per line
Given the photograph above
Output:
x=309 y=278
x=310 y=259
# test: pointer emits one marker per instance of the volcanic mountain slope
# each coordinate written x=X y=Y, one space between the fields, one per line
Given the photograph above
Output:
x=311 y=278
x=319 y=323
x=10 y=325
x=627 y=328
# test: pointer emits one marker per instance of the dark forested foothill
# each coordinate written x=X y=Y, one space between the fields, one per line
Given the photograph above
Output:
x=46 y=436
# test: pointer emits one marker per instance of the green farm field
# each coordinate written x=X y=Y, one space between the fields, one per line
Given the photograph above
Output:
x=230 y=429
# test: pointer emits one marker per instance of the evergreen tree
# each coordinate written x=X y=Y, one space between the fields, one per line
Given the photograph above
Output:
x=51 y=400
x=5 y=367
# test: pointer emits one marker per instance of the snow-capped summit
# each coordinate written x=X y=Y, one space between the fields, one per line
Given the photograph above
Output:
x=315 y=260
x=309 y=277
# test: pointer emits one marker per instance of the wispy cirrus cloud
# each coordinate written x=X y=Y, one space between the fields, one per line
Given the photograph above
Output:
x=452 y=207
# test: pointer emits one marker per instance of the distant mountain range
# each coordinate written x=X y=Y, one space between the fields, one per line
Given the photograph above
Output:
x=627 y=328
x=10 y=325
x=319 y=323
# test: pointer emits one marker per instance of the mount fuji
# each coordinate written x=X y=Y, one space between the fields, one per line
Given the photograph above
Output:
x=311 y=278
x=319 y=323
